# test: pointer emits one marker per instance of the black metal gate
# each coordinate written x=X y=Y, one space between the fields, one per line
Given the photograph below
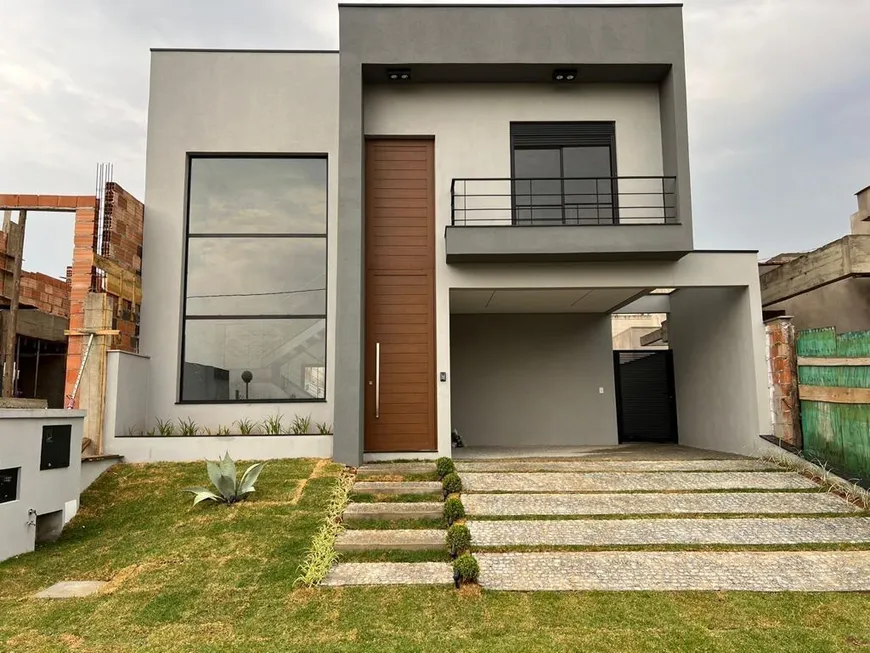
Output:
x=646 y=409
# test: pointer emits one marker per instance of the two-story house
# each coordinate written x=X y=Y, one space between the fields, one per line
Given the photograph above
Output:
x=430 y=228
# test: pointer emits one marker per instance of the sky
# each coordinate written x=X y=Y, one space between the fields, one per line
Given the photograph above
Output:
x=779 y=104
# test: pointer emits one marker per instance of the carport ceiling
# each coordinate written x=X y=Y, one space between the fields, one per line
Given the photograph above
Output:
x=541 y=300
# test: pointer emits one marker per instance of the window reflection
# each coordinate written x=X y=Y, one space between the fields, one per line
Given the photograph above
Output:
x=255 y=301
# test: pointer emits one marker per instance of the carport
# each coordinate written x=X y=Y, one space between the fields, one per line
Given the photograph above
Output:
x=531 y=359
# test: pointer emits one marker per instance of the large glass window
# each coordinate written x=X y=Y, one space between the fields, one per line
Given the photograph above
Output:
x=255 y=299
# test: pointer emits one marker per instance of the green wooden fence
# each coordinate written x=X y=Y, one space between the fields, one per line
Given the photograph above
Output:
x=836 y=430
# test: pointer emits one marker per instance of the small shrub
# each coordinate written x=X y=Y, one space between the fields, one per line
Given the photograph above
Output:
x=453 y=510
x=465 y=569
x=246 y=426
x=273 y=425
x=323 y=428
x=444 y=466
x=223 y=476
x=451 y=484
x=300 y=425
x=223 y=430
x=458 y=539
x=187 y=427
x=132 y=431
x=164 y=426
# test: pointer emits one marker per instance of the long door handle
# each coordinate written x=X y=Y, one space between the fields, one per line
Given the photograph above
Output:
x=377 y=380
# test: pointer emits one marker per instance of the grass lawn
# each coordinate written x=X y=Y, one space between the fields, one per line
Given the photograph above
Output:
x=212 y=578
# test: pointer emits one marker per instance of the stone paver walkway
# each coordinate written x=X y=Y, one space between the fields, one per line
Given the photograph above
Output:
x=379 y=469
x=617 y=532
x=617 y=466
x=778 y=571
x=395 y=539
x=403 y=487
x=390 y=573
x=748 y=503
x=393 y=510
x=631 y=481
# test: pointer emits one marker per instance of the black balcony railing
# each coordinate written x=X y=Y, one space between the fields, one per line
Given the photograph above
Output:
x=578 y=201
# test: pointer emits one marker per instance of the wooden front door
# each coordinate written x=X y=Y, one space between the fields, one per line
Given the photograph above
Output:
x=400 y=296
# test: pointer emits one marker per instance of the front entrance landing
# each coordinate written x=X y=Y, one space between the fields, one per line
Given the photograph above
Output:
x=636 y=517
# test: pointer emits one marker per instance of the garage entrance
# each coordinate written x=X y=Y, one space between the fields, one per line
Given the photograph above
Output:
x=646 y=407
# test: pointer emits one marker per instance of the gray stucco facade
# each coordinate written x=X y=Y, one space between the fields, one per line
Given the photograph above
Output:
x=514 y=327
x=455 y=43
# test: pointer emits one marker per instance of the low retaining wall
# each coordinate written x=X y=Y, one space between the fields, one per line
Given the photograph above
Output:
x=93 y=468
x=189 y=448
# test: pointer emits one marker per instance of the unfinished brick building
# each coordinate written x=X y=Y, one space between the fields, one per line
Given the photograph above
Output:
x=77 y=320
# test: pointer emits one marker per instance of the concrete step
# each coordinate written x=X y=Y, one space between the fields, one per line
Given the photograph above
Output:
x=403 y=487
x=631 y=481
x=391 y=511
x=750 y=571
x=380 y=540
x=620 y=532
x=747 y=465
x=386 y=469
x=389 y=573
x=656 y=503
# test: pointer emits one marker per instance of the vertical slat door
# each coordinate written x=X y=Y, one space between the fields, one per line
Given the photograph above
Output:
x=400 y=365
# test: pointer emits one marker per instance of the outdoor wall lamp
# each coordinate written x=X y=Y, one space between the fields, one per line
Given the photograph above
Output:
x=399 y=74
x=565 y=75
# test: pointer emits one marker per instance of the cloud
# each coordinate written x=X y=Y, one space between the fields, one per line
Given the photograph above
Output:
x=779 y=94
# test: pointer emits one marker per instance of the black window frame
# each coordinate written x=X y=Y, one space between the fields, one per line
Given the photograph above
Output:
x=191 y=156
x=15 y=474
x=557 y=135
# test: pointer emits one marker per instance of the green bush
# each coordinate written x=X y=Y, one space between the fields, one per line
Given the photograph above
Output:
x=444 y=466
x=451 y=484
x=453 y=510
x=458 y=539
x=465 y=569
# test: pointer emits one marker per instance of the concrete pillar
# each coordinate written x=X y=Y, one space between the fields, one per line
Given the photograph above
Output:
x=98 y=317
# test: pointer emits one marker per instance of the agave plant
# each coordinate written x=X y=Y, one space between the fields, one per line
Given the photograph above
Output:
x=229 y=488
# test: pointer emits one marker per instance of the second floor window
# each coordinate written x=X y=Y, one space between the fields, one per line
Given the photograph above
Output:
x=564 y=172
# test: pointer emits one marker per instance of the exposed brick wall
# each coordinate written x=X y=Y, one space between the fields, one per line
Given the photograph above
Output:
x=39 y=290
x=122 y=242
x=46 y=202
x=45 y=293
x=783 y=381
x=82 y=279
x=122 y=228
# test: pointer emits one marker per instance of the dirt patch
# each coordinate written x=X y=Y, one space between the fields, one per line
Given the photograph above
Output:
x=73 y=642
x=317 y=472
